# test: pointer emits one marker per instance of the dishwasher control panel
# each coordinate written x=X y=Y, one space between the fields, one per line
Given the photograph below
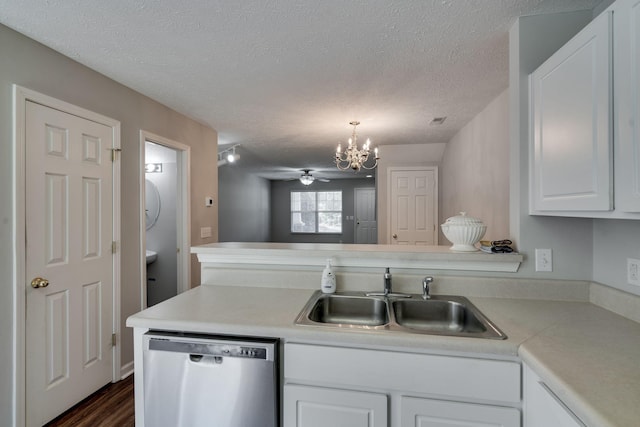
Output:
x=208 y=347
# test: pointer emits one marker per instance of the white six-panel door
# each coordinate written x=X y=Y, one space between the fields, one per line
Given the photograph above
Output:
x=413 y=197
x=69 y=318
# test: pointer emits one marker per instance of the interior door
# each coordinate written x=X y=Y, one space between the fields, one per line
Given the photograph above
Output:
x=69 y=260
x=365 y=216
x=413 y=196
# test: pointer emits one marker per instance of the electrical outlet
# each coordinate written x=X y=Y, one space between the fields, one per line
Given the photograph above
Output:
x=544 y=260
x=633 y=271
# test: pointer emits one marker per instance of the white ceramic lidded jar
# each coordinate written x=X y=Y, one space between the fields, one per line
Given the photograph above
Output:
x=464 y=232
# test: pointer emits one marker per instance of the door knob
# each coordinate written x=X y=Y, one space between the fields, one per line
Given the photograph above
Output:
x=395 y=236
x=39 y=282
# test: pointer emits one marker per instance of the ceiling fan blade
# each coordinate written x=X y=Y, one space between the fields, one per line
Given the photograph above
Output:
x=323 y=179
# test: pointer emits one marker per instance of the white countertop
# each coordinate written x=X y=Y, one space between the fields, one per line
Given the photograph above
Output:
x=350 y=255
x=588 y=356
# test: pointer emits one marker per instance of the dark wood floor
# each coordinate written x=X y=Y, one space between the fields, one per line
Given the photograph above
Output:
x=111 y=406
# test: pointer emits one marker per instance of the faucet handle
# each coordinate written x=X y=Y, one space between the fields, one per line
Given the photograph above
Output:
x=425 y=287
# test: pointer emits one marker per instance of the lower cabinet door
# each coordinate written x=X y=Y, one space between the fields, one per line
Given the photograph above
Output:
x=418 y=412
x=306 y=406
x=541 y=407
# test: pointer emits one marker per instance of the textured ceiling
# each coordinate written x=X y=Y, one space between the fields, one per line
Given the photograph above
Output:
x=284 y=78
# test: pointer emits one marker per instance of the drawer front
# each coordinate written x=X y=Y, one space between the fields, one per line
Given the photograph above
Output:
x=459 y=377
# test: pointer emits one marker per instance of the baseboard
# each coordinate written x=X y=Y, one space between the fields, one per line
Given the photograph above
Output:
x=126 y=370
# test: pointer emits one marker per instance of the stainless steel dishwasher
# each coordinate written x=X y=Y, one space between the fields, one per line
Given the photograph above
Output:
x=193 y=380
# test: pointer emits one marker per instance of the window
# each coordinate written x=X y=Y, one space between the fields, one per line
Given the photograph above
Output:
x=316 y=211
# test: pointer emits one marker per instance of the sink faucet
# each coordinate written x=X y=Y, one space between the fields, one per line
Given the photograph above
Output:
x=387 y=291
x=387 y=282
x=426 y=293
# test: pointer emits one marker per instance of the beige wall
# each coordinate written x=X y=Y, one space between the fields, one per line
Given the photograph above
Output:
x=29 y=64
x=474 y=173
x=398 y=156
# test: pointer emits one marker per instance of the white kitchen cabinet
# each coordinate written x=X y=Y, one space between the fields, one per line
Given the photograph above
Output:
x=542 y=408
x=419 y=412
x=341 y=383
x=571 y=158
x=627 y=104
x=306 y=406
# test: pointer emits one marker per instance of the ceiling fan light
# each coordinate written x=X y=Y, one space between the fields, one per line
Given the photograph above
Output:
x=306 y=179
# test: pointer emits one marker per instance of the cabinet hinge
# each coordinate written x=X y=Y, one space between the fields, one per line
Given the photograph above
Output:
x=114 y=153
x=114 y=340
x=114 y=247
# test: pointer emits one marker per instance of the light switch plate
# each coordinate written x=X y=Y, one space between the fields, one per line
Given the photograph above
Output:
x=205 y=232
x=544 y=260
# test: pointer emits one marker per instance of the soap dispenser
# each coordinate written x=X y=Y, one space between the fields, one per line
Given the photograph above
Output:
x=328 y=282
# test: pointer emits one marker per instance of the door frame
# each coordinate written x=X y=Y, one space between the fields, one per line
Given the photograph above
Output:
x=20 y=97
x=436 y=196
x=183 y=212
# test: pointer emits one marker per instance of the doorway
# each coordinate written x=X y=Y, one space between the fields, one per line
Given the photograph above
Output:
x=413 y=205
x=67 y=233
x=366 y=225
x=164 y=223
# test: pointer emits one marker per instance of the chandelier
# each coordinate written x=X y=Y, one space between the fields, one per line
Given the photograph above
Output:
x=353 y=157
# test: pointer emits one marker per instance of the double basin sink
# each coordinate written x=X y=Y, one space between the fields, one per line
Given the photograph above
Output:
x=439 y=315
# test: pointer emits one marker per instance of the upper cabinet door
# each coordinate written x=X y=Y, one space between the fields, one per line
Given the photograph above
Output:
x=571 y=95
x=627 y=81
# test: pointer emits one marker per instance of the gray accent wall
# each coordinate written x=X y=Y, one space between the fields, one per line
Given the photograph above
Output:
x=27 y=63
x=243 y=206
x=281 y=209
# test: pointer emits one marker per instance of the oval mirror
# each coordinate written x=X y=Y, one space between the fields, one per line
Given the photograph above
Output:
x=152 y=204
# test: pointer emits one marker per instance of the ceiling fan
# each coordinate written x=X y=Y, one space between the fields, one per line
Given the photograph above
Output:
x=307 y=179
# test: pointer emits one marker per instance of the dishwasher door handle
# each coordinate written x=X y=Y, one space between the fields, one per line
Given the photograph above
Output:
x=206 y=360
x=195 y=357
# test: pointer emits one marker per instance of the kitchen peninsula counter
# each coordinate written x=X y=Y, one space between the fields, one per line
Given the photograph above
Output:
x=586 y=355
x=356 y=256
